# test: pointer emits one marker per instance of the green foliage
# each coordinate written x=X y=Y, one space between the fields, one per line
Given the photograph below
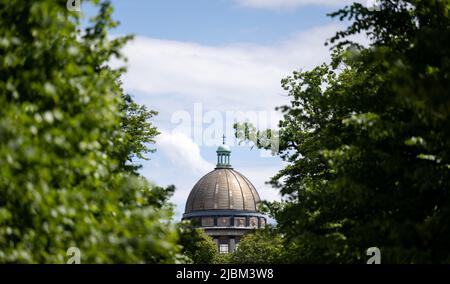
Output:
x=138 y=133
x=223 y=258
x=65 y=132
x=196 y=245
x=367 y=141
x=259 y=247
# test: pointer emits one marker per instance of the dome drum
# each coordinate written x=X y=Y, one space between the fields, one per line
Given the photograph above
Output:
x=236 y=220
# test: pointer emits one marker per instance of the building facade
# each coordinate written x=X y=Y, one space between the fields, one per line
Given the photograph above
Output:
x=224 y=203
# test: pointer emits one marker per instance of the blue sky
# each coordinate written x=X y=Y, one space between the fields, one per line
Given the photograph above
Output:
x=214 y=22
x=196 y=61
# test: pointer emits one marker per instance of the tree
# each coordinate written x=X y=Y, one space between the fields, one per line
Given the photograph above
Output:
x=196 y=245
x=138 y=133
x=367 y=141
x=259 y=247
x=64 y=137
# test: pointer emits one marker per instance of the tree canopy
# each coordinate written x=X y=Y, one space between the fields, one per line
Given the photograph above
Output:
x=263 y=246
x=367 y=140
x=67 y=131
x=198 y=247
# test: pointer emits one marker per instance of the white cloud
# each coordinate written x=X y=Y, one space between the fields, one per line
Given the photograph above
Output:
x=277 y=4
x=230 y=77
x=173 y=75
x=182 y=152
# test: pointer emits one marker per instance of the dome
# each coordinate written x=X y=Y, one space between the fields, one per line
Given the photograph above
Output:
x=223 y=189
x=223 y=148
x=223 y=203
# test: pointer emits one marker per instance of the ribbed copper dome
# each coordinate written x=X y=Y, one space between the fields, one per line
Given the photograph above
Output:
x=223 y=189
